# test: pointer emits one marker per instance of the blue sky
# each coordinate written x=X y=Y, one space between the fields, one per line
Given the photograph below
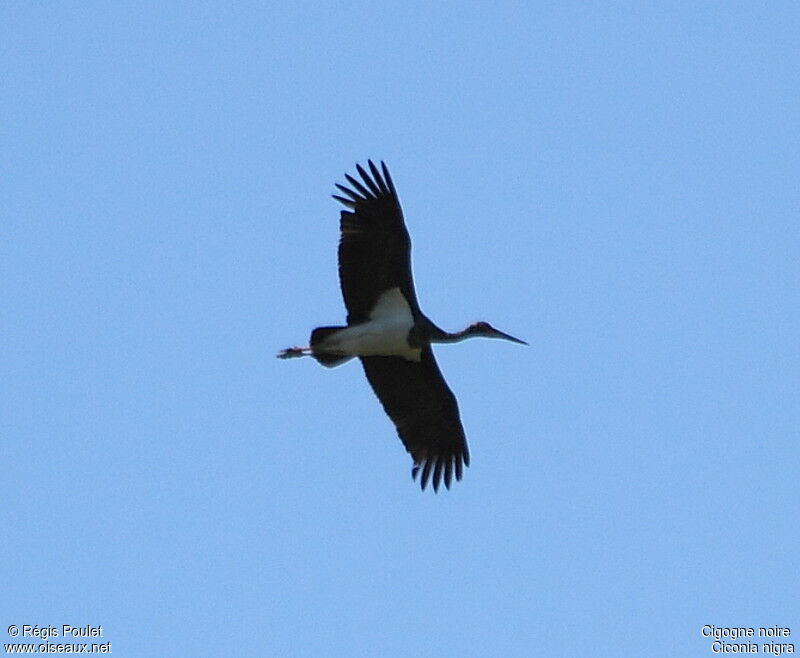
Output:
x=616 y=183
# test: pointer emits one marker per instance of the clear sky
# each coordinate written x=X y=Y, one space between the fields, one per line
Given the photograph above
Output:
x=616 y=183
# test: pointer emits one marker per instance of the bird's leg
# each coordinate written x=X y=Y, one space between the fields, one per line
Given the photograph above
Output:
x=294 y=352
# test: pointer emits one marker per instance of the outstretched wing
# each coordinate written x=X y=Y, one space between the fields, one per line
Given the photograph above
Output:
x=424 y=410
x=374 y=249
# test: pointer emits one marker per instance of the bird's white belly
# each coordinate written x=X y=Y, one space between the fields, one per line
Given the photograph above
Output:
x=385 y=334
x=373 y=339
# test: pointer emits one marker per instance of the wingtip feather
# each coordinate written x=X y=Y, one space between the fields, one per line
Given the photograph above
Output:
x=388 y=178
x=363 y=190
x=426 y=474
x=346 y=190
x=343 y=201
x=376 y=175
x=437 y=474
x=371 y=184
x=438 y=470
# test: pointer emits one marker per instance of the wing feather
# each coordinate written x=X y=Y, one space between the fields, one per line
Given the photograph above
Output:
x=423 y=408
x=358 y=186
x=374 y=248
x=376 y=190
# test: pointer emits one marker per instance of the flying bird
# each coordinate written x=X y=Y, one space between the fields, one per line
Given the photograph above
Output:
x=389 y=333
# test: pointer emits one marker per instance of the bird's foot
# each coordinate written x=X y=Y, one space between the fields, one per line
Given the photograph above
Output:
x=294 y=352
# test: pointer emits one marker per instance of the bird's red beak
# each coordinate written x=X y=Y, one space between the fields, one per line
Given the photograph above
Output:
x=499 y=334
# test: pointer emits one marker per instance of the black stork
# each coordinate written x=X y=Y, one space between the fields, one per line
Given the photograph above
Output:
x=389 y=333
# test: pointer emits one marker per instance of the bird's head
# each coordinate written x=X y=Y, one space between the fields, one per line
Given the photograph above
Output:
x=488 y=331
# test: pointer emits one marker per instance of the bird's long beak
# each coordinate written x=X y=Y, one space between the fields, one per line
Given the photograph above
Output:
x=500 y=334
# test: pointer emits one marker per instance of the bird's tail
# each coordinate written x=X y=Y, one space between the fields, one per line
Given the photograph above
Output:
x=318 y=337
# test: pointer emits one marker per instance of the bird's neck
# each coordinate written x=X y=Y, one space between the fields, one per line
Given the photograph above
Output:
x=445 y=337
x=425 y=332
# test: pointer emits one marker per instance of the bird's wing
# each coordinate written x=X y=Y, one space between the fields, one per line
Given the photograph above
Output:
x=374 y=249
x=425 y=412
